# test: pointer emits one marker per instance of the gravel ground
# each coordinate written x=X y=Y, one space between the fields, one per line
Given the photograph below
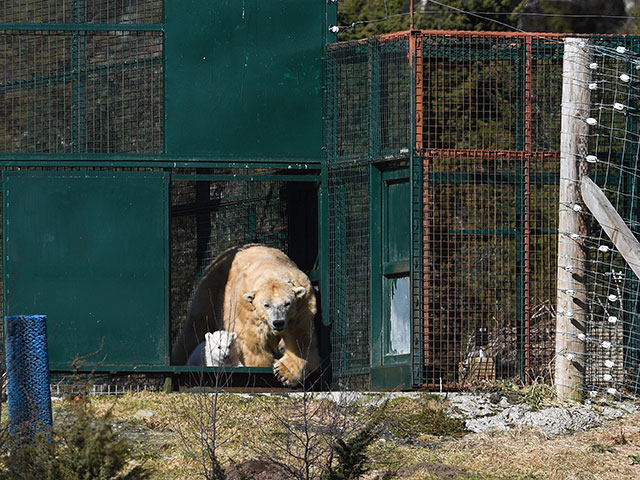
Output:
x=490 y=412
x=486 y=413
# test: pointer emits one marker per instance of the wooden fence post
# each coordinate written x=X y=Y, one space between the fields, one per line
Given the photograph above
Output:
x=571 y=301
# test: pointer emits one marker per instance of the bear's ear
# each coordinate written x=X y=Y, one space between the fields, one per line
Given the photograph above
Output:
x=249 y=296
x=299 y=291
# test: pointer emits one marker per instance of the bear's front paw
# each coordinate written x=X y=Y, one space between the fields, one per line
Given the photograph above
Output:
x=287 y=373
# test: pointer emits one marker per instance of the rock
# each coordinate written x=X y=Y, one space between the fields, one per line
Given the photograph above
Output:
x=143 y=414
x=438 y=470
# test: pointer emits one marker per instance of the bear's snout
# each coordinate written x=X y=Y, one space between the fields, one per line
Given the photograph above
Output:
x=278 y=317
x=278 y=324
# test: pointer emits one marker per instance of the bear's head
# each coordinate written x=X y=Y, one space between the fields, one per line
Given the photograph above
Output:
x=218 y=347
x=275 y=303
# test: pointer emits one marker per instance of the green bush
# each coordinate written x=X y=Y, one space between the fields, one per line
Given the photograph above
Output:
x=351 y=454
x=84 y=446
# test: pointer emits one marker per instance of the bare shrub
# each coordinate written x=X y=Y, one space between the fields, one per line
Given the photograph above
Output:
x=203 y=421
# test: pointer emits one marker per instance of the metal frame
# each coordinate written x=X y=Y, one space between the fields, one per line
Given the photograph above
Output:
x=289 y=168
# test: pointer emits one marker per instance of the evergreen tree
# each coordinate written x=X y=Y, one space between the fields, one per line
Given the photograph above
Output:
x=375 y=17
x=567 y=16
x=427 y=16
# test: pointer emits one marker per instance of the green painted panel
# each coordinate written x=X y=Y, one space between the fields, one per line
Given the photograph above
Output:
x=394 y=377
x=244 y=78
x=89 y=250
x=398 y=221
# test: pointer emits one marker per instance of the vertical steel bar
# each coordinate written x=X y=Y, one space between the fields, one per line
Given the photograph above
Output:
x=419 y=246
x=78 y=78
x=528 y=146
x=519 y=192
x=411 y=26
x=374 y=99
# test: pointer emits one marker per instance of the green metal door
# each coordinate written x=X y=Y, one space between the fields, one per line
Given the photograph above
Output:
x=89 y=250
x=390 y=281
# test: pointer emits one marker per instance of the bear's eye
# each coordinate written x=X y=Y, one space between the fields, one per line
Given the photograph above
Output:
x=287 y=304
x=267 y=304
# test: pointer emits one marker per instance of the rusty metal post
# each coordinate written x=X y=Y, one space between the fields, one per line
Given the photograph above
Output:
x=411 y=14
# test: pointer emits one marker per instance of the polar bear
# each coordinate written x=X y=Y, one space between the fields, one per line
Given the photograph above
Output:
x=260 y=294
x=218 y=349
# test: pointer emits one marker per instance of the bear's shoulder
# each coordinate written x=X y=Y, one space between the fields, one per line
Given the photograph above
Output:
x=258 y=263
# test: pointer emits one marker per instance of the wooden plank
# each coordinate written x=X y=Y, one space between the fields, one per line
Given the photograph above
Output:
x=612 y=223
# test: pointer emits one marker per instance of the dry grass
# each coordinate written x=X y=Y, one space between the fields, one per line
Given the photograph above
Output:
x=528 y=451
x=611 y=452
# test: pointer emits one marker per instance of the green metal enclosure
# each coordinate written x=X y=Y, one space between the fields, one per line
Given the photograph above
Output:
x=140 y=139
x=412 y=176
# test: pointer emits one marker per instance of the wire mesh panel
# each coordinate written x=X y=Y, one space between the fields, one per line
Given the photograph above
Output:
x=81 y=76
x=212 y=213
x=612 y=338
x=543 y=89
x=473 y=95
x=490 y=126
x=349 y=280
x=70 y=11
x=369 y=100
x=473 y=294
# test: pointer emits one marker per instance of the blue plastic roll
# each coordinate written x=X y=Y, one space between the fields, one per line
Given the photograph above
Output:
x=27 y=359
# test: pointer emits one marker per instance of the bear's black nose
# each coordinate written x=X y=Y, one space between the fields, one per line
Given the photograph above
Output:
x=278 y=324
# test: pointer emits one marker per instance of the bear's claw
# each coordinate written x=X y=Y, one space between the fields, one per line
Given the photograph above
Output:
x=283 y=375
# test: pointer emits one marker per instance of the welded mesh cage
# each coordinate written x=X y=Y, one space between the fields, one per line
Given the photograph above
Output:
x=211 y=213
x=368 y=107
x=88 y=80
x=477 y=116
x=491 y=127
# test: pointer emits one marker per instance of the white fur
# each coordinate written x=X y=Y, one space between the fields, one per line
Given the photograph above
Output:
x=220 y=349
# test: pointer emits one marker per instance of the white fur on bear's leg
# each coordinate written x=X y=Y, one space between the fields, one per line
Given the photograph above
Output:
x=221 y=349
